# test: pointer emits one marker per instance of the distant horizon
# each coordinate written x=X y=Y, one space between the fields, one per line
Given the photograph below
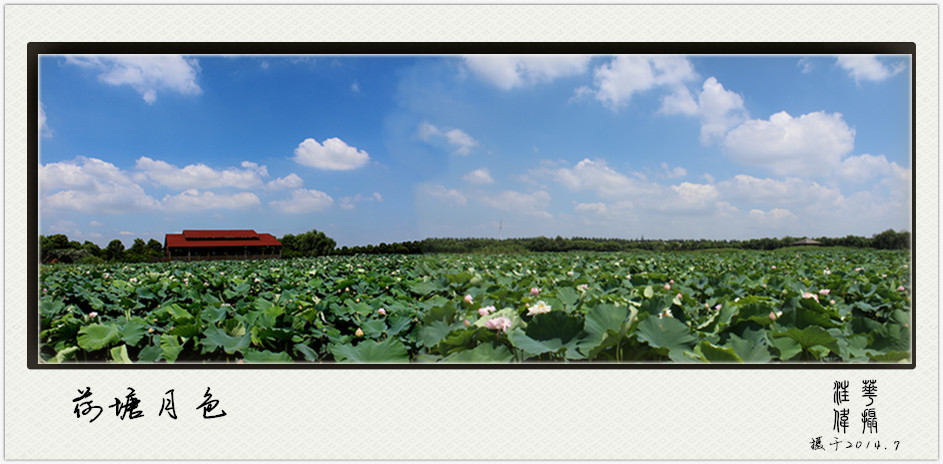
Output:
x=130 y=240
x=376 y=149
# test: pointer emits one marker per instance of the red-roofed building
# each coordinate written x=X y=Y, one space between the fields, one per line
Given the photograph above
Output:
x=221 y=244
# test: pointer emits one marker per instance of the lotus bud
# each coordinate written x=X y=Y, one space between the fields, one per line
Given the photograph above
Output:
x=359 y=332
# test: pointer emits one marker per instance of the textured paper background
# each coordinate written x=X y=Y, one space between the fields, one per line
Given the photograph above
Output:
x=468 y=414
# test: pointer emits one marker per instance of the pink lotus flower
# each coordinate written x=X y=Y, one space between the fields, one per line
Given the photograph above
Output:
x=774 y=266
x=810 y=295
x=467 y=322
x=499 y=323
x=468 y=299
x=484 y=311
x=678 y=296
x=901 y=288
x=667 y=286
x=582 y=287
x=672 y=281
x=772 y=316
x=93 y=314
x=381 y=312
x=534 y=291
x=824 y=291
x=831 y=302
x=718 y=307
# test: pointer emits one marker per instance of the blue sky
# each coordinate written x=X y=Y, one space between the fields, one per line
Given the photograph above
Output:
x=374 y=149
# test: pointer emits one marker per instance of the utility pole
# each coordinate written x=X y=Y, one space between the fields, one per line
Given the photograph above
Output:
x=500 y=230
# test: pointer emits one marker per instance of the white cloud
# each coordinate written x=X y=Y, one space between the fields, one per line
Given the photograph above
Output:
x=673 y=173
x=791 y=191
x=865 y=167
x=199 y=176
x=717 y=108
x=91 y=185
x=290 y=181
x=146 y=74
x=95 y=224
x=304 y=201
x=510 y=71
x=591 y=208
x=193 y=200
x=355 y=87
x=806 y=65
x=351 y=202
x=534 y=204
x=867 y=67
x=43 y=128
x=679 y=102
x=441 y=193
x=455 y=137
x=701 y=195
x=479 y=177
x=594 y=175
x=774 y=216
x=334 y=154
x=812 y=144
x=625 y=75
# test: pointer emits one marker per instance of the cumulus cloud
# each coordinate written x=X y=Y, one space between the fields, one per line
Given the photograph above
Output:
x=455 y=137
x=867 y=67
x=809 y=145
x=478 y=177
x=596 y=176
x=192 y=200
x=43 y=128
x=290 y=181
x=199 y=176
x=626 y=75
x=717 y=108
x=696 y=195
x=334 y=154
x=146 y=74
x=510 y=71
x=303 y=201
x=865 y=167
x=447 y=195
x=351 y=202
x=534 y=204
x=91 y=185
x=767 y=191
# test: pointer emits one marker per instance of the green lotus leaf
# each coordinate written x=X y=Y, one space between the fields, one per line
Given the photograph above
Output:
x=370 y=351
x=666 y=332
x=97 y=336
x=483 y=353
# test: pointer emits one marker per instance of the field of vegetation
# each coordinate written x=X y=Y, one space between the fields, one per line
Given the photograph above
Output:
x=728 y=306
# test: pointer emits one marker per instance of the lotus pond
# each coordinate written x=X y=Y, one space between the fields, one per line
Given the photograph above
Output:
x=789 y=305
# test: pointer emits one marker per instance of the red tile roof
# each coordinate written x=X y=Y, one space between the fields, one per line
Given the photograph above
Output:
x=219 y=238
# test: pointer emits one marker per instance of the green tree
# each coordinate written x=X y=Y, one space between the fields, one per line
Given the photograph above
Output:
x=311 y=243
x=114 y=251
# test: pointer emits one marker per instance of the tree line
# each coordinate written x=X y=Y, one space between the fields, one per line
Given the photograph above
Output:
x=58 y=248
